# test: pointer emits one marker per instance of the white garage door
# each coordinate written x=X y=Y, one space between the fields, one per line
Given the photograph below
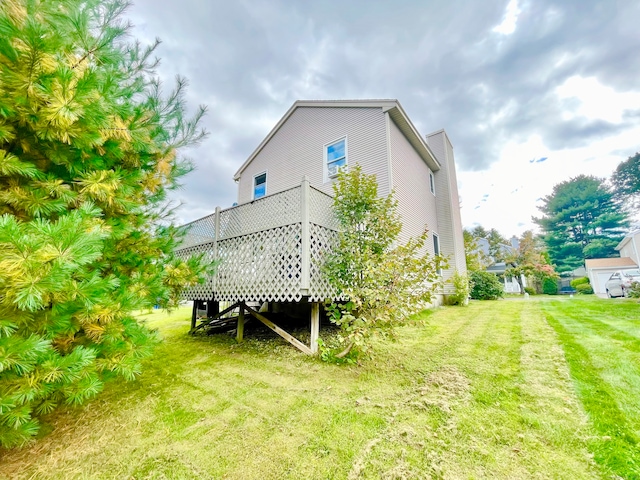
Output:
x=602 y=279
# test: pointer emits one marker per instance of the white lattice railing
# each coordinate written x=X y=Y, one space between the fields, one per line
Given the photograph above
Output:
x=270 y=249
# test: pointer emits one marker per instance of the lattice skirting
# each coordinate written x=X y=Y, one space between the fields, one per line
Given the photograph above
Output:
x=265 y=266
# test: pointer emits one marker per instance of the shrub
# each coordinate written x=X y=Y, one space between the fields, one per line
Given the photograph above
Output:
x=580 y=281
x=486 y=286
x=584 y=289
x=385 y=282
x=550 y=286
x=462 y=286
x=634 y=291
x=530 y=290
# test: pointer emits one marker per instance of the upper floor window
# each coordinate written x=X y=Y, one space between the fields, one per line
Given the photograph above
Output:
x=336 y=157
x=432 y=183
x=260 y=185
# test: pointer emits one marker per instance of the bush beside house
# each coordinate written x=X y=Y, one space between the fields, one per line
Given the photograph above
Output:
x=486 y=286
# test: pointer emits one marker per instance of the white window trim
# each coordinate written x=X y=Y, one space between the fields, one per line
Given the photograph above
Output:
x=253 y=185
x=432 y=183
x=325 y=169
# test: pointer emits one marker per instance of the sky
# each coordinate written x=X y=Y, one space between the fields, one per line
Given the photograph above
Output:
x=531 y=93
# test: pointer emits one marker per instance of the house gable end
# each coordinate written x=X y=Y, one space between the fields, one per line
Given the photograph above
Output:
x=393 y=107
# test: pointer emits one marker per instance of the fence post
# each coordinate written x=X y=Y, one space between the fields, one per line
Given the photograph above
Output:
x=216 y=239
x=305 y=240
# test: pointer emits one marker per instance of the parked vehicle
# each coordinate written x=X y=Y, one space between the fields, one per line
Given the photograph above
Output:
x=619 y=283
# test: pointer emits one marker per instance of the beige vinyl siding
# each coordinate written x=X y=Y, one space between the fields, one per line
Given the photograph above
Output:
x=416 y=203
x=448 y=206
x=454 y=205
x=632 y=248
x=297 y=148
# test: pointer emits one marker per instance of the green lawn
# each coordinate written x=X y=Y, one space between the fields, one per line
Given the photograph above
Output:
x=539 y=388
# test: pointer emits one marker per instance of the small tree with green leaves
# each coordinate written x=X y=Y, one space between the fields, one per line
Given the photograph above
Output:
x=384 y=282
x=462 y=286
x=530 y=261
x=88 y=151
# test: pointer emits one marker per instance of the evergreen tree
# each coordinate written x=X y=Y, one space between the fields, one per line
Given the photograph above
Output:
x=626 y=181
x=88 y=151
x=580 y=221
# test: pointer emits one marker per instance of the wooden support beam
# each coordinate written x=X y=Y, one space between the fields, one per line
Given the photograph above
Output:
x=217 y=315
x=315 y=327
x=287 y=336
x=240 y=329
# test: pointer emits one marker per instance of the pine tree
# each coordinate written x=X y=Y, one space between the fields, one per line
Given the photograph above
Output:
x=580 y=221
x=88 y=152
x=626 y=182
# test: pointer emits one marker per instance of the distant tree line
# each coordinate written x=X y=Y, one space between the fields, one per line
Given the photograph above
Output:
x=583 y=217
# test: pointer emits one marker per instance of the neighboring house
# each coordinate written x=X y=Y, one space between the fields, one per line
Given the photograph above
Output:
x=270 y=245
x=511 y=285
x=600 y=269
x=629 y=246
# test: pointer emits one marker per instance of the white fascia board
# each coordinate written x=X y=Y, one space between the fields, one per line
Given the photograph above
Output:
x=402 y=121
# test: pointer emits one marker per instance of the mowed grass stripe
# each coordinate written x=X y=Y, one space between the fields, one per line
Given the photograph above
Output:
x=615 y=357
x=616 y=321
x=475 y=410
x=615 y=445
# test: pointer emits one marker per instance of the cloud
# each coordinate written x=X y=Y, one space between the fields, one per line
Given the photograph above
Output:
x=487 y=72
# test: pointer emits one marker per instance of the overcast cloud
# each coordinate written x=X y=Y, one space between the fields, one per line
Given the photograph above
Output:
x=511 y=82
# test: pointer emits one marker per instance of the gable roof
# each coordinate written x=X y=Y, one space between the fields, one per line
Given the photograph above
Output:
x=616 y=262
x=627 y=238
x=393 y=107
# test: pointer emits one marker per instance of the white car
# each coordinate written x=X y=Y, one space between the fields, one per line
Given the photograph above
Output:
x=619 y=283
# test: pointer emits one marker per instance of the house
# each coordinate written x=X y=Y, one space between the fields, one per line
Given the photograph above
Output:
x=511 y=284
x=270 y=246
x=629 y=246
x=317 y=138
x=600 y=269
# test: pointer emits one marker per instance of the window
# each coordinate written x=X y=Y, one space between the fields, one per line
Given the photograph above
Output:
x=432 y=183
x=260 y=185
x=336 y=157
x=436 y=249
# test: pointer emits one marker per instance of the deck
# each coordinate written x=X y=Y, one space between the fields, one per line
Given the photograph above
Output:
x=270 y=249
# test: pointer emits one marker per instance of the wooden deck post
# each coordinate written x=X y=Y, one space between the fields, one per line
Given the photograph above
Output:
x=213 y=308
x=240 y=329
x=305 y=281
x=194 y=315
x=216 y=239
x=315 y=327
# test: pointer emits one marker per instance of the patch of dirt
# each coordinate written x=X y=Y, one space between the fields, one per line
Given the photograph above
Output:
x=442 y=389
